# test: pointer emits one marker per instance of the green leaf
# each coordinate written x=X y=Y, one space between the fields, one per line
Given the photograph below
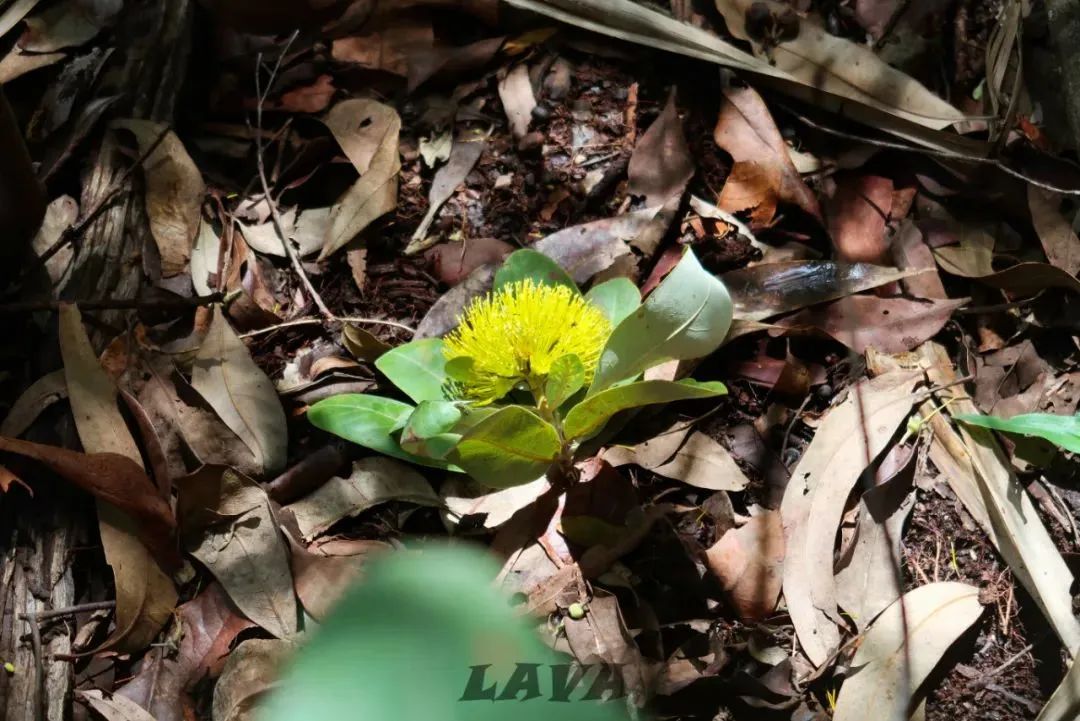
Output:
x=363 y=419
x=1062 y=431
x=591 y=414
x=427 y=431
x=617 y=298
x=566 y=377
x=510 y=447
x=523 y=264
x=686 y=317
x=403 y=644
x=417 y=368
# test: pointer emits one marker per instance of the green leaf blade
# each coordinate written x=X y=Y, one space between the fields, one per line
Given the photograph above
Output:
x=367 y=421
x=589 y=416
x=687 y=316
x=566 y=377
x=508 y=448
x=1062 y=431
x=617 y=298
x=418 y=368
x=531 y=265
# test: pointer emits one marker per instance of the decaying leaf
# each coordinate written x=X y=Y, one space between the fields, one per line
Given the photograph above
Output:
x=45 y=391
x=902 y=648
x=661 y=166
x=857 y=214
x=373 y=480
x=515 y=92
x=322 y=579
x=748 y=562
x=468 y=498
x=227 y=524
x=846 y=442
x=174 y=193
x=694 y=458
x=890 y=325
x=1054 y=229
x=241 y=394
x=463 y=157
x=114 y=707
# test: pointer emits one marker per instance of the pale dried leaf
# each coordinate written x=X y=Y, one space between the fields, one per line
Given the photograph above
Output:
x=516 y=94
x=115 y=707
x=850 y=437
x=374 y=480
x=903 y=647
x=174 y=193
x=251 y=672
x=1054 y=230
x=241 y=394
x=463 y=158
x=204 y=258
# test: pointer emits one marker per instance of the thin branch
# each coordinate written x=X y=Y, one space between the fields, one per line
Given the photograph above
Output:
x=260 y=147
x=69 y=610
x=320 y=321
x=53 y=304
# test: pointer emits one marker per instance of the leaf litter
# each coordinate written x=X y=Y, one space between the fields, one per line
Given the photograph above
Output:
x=869 y=301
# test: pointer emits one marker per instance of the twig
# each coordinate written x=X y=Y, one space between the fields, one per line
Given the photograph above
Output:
x=69 y=610
x=76 y=229
x=27 y=306
x=997 y=307
x=791 y=426
x=319 y=321
x=279 y=226
x=946 y=154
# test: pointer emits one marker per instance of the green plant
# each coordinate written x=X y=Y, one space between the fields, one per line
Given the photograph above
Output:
x=1062 y=431
x=425 y=637
x=534 y=369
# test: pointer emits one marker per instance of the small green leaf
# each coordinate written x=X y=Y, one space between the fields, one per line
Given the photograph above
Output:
x=1062 y=431
x=427 y=637
x=510 y=447
x=566 y=377
x=687 y=316
x=589 y=416
x=523 y=264
x=427 y=431
x=618 y=298
x=417 y=368
x=365 y=420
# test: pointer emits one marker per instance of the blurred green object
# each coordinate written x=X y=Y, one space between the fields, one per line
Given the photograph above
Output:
x=407 y=644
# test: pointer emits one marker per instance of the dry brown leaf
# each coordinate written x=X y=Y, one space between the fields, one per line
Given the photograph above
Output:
x=229 y=526
x=373 y=480
x=846 y=442
x=1055 y=231
x=516 y=94
x=371 y=133
x=322 y=579
x=145 y=596
x=115 y=707
x=241 y=394
x=27 y=407
x=857 y=214
x=453 y=261
x=60 y=214
x=174 y=193
x=463 y=157
x=9 y=479
x=745 y=129
x=18 y=63
x=251 y=671
x=748 y=562
x=311 y=98
x=910 y=252
x=753 y=187
x=389 y=48
x=889 y=325
x=660 y=165
x=464 y=497
x=832 y=64
x=693 y=458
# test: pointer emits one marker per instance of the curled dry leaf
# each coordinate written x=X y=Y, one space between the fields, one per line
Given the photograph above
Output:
x=174 y=193
x=889 y=325
x=251 y=671
x=373 y=480
x=748 y=562
x=464 y=497
x=45 y=391
x=368 y=133
x=762 y=291
x=463 y=157
x=902 y=648
x=516 y=94
x=1054 y=230
x=857 y=214
x=846 y=442
x=693 y=458
x=660 y=165
x=208 y=625
x=746 y=130
x=227 y=524
x=322 y=579
x=243 y=396
x=133 y=518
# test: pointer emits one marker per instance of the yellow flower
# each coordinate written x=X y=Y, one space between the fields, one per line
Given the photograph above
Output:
x=513 y=336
